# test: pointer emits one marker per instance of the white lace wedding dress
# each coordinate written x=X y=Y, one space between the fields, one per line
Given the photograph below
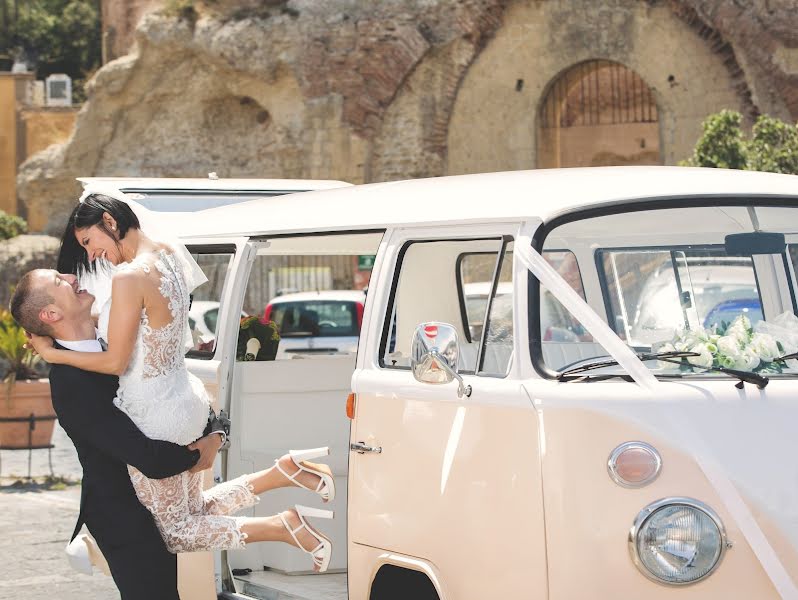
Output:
x=168 y=403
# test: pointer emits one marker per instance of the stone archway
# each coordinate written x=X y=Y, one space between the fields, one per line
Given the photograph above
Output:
x=598 y=113
x=494 y=124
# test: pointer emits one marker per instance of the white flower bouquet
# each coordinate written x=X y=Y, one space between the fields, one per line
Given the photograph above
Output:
x=738 y=345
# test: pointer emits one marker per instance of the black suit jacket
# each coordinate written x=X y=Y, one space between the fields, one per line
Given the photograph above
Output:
x=107 y=441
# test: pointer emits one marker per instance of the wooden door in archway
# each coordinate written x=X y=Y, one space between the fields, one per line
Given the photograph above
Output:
x=598 y=113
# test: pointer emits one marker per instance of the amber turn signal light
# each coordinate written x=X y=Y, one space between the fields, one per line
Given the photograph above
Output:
x=350 y=405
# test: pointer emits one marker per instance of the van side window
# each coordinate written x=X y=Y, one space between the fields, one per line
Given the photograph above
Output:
x=312 y=291
x=203 y=316
x=497 y=349
x=450 y=281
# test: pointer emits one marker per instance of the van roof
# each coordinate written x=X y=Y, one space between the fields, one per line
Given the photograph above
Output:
x=542 y=194
x=206 y=184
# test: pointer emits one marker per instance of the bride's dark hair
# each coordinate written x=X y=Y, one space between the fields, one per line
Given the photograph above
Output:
x=72 y=258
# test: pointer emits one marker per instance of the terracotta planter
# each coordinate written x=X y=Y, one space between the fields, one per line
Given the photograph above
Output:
x=30 y=396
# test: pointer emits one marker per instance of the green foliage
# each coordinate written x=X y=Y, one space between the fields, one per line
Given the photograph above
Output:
x=11 y=226
x=55 y=36
x=773 y=145
x=22 y=362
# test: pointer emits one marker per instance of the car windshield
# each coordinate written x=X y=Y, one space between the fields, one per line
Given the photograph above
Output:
x=717 y=281
x=316 y=318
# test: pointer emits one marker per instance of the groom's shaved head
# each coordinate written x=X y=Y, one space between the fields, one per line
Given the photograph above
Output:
x=28 y=301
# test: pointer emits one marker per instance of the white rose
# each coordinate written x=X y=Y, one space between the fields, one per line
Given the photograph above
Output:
x=729 y=345
x=746 y=361
x=740 y=329
x=764 y=346
x=704 y=359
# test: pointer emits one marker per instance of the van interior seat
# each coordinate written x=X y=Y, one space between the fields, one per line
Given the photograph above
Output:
x=497 y=357
x=557 y=355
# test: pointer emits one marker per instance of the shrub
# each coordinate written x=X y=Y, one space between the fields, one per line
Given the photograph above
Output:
x=11 y=226
x=773 y=145
x=22 y=362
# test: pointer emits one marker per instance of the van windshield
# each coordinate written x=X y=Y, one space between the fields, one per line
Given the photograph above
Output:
x=715 y=281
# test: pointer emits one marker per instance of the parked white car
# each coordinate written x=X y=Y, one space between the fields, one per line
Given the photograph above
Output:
x=323 y=322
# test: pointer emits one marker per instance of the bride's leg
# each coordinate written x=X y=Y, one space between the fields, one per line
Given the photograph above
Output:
x=242 y=492
x=170 y=501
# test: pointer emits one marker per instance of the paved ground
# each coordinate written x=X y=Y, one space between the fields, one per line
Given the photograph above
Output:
x=35 y=525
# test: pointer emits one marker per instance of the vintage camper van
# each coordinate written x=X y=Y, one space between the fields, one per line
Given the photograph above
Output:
x=551 y=444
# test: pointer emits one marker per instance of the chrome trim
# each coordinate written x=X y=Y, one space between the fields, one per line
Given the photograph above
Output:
x=361 y=448
x=611 y=466
x=649 y=510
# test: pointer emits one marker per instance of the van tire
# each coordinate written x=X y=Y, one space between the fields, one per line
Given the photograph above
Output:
x=397 y=583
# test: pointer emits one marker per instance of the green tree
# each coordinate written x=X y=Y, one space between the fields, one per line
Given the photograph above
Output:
x=54 y=36
x=773 y=145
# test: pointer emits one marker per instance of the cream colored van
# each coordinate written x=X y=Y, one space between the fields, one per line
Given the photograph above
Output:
x=506 y=451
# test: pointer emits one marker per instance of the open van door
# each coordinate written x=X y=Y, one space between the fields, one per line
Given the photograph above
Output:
x=293 y=399
x=213 y=319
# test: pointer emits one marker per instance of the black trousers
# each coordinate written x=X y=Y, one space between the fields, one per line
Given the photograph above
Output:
x=144 y=570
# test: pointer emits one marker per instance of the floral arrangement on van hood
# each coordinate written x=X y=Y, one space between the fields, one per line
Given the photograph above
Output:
x=738 y=345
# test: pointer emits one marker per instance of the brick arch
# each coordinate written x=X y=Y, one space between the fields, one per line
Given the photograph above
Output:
x=723 y=49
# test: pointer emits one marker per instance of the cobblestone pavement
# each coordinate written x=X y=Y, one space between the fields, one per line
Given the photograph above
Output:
x=34 y=528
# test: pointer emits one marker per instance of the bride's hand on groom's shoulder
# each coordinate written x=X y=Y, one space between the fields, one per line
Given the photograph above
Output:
x=40 y=344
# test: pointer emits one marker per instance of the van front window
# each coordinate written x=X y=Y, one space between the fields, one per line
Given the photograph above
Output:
x=716 y=282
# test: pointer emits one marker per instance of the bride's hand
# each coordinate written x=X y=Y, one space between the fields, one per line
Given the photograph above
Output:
x=41 y=345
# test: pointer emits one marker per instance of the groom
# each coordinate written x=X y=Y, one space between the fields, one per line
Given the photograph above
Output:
x=46 y=302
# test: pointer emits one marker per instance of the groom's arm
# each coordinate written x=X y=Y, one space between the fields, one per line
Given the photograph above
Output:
x=84 y=406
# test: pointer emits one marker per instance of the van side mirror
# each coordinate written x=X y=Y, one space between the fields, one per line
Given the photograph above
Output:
x=434 y=354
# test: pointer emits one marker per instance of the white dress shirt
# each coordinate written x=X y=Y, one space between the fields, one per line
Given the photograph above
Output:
x=82 y=345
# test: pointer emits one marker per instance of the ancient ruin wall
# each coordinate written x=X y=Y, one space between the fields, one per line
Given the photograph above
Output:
x=354 y=89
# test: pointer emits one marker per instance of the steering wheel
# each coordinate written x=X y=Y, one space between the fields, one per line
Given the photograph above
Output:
x=327 y=324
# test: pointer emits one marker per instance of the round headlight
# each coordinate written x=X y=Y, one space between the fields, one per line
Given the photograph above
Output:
x=677 y=541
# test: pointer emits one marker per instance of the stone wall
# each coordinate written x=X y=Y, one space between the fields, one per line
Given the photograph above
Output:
x=370 y=91
x=494 y=126
x=21 y=254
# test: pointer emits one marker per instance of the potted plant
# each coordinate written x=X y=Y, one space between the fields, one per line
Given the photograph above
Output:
x=257 y=340
x=25 y=392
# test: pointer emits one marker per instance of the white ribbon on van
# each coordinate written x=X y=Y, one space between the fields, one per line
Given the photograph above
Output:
x=681 y=428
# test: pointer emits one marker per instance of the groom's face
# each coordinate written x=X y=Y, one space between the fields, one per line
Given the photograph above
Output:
x=69 y=301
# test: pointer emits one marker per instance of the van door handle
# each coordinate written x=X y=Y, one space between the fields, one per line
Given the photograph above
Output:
x=362 y=448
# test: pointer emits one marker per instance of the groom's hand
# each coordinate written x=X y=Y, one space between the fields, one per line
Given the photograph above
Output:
x=208 y=447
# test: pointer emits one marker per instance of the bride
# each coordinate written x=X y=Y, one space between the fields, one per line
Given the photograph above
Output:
x=145 y=332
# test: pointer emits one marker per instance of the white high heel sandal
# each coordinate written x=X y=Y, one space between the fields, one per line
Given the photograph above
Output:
x=322 y=553
x=326 y=487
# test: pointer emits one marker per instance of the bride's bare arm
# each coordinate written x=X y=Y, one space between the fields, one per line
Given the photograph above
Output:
x=128 y=300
